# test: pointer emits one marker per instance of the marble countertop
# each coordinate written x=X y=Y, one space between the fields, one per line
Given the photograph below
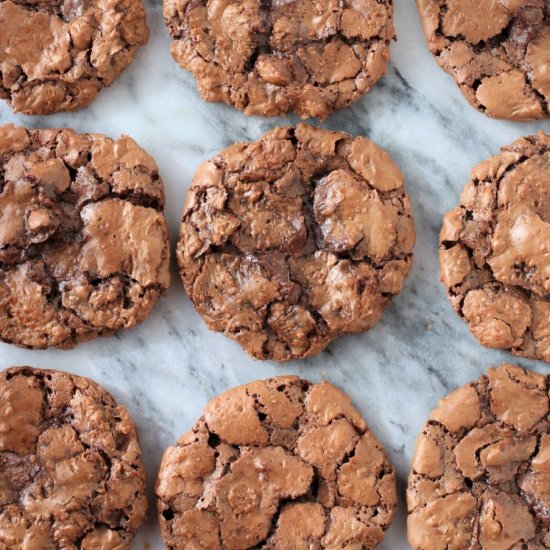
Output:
x=165 y=370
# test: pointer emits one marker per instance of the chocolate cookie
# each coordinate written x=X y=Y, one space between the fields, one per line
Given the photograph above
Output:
x=481 y=468
x=295 y=239
x=71 y=474
x=268 y=58
x=280 y=463
x=495 y=250
x=84 y=245
x=56 y=55
x=498 y=51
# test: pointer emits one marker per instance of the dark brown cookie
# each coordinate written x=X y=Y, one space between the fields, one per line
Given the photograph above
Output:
x=498 y=51
x=56 y=55
x=295 y=239
x=481 y=469
x=279 y=464
x=268 y=58
x=495 y=250
x=71 y=474
x=84 y=245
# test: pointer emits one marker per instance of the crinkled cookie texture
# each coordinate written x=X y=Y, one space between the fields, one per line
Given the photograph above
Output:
x=309 y=57
x=84 y=245
x=56 y=55
x=295 y=239
x=498 y=51
x=495 y=250
x=71 y=474
x=276 y=464
x=481 y=468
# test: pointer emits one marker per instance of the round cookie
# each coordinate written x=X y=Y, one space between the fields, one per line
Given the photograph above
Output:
x=498 y=51
x=84 y=245
x=71 y=474
x=295 y=239
x=481 y=469
x=57 y=55
x=278 y=463
x=495 y=250
x=269 y=58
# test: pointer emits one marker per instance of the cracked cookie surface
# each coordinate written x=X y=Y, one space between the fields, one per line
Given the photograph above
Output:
x=481 y=468
x=495 y=250
x=295 y=239
x=278 y=463
x=269 y=58
x=498 y=51
x=57 y=55
x=84 y=245
x=71 y=474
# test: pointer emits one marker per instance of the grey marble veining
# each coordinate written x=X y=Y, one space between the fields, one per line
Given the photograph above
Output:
x=165 y=370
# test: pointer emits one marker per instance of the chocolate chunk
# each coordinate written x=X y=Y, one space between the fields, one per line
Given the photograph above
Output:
x=268 y=58
x=84 y=245
x=495 y=250
x=498 y=51
x=481 y=469
x=57 y=55
x=279 y=463
x=293 y=240
x=71 y=474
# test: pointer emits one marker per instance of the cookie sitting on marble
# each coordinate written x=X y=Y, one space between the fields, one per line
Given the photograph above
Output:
x=481 y=468
x=295 y=239
x=279 y=463
x=271 y=58
x=71 y=474
x=84 y=245
x=498 y=51
x=57 y=55
x=495 y=250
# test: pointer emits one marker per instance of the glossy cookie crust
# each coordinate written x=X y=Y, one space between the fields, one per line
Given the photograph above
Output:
x=279 y=463
x=297 y=238
x=71 y=474
x=498 y=51
x=84 y=245
x=495 y=250
x=481 y=468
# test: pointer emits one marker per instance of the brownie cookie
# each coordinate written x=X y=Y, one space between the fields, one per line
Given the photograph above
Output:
x=280 y=463
x=269 y=58
x=295 y=239
x=56 y=55
x=71 y=474
x=481 y=468
x=498 y=51
x=495 y=250
x=84 y=245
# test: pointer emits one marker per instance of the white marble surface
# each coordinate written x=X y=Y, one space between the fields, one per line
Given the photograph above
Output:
x=165 y=370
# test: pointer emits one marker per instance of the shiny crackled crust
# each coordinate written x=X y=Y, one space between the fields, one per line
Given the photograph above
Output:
x=269 y=58
x=495 y=250
x=71 y=474
x=84 y=245
x=279 y=463
x=56 y=55
x=481 y=468
x=295 y=239
x=498 y=51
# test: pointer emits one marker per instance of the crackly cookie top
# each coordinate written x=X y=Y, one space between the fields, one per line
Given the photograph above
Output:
x=495 y=250
x=498 y=51
x=269 y=58
x=71 y=474
x=481 y=468
x=294 y=239
x=83 y=241
x=55 y=55
x=278 y=463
